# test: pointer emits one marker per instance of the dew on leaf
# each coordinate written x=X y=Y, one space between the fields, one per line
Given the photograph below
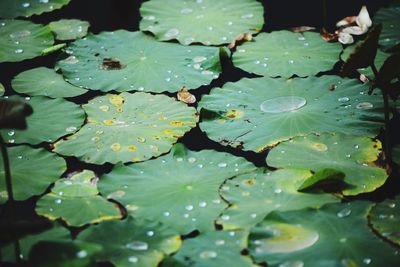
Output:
x=283 y=104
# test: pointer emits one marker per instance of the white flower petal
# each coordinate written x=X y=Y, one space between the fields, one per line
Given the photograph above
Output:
x=345 y=38
x=363 y=19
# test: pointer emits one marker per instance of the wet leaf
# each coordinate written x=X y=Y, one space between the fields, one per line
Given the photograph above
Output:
x=128 y=128
x=390 y=19
x=335 y=235
x=303 y=54
x=77 y=193
x=33 y=170
x=254 y=114
x=52 y=119
x=20 y=40
x=215 y=22
x=25 y=8
x=132 y=242
x=352 y=155
x=254 y=195
x=13 y=113
x=45 y=82
x=127 y=61
x=183 y=188
x=69 y=29
x=385 y=219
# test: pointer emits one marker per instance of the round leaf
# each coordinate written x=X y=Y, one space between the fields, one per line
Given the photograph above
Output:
x=335 y=235
x=284 y=53
x=20 y=40
x=69 y=29
x=212 y=249
x=126 y=61
x=51 y=119
x=32 y=170
x=216 y=22
x=128 y=127
x=132 y=242
x=390 y=19
x=353 y=155
x=25 y=8
x=254 y=195
x=77 y=193
x=182 y=186
x=46 y=82
x=385 y=219
x=254 y=114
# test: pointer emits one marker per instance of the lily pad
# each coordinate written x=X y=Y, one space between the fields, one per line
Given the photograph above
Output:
x=284 y=53
x=335 y=235
x=254 y=114
x=379 y=60
x=385 y=219
x=390 y=19
x=253 y=196
x=69 y=29
x=127 y=127
x=355 y=156
x=25 y=8
x=182 y=186
x=20 y=40
x=51 y=119
x=132 y=242
x=2 y=89
x=33 y=170
x=216 y=22
x=212 y=249
x=127 y=61
x=46 y=82
x=77 y=193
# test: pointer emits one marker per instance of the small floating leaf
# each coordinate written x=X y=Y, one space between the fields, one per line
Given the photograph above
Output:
x=216 y=22
x=25 y=8
x=69 y=29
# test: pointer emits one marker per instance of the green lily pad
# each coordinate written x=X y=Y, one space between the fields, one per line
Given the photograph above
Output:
x=255 y=114
x=379 y=60
x=20 y=40
x=126 y=61
x=25 y=8
x=51 y=119
x=182 y=186
x=132 y=242
x=216 y=22
x=2 y=89
x=212 y=249
x=355 y=156
x=32 y=170
x=56 y=233
x=284 y=53
x=335 y=235
x=77 y=193
x=385 y=219
x=254 y=195
x=69 y=29
x=128 y=127
x=390 y=19
x=46 y=82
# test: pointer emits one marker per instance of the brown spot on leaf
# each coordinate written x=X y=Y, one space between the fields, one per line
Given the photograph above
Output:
x=111 y=64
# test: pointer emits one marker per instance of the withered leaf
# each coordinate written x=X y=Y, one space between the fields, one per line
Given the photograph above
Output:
x=186 y=97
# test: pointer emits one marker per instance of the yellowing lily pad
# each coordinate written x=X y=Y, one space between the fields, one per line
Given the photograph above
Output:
x=355 y=156
x=132 y=242
x=33 y=170
x=203 y=21
x=69 y=29
x=127 y=61
x=284 y=53
x=254 y=114
x=45 y=82
x=179 y=189
x=128 y=127
x=254 y=195
x=25 y=8
x=77 y=193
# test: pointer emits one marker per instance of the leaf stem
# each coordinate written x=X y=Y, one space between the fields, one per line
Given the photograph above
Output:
x=386 y=108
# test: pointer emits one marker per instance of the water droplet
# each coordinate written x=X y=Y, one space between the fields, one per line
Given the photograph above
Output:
x=11 y=133
x=208 y=254
x=138 y=245
x=191 y=160
x=25 y=4
x=364 y=105
x=220 y=242
x=392 y=205
x=225 y=217
x=81 y=254
x=58 y=201
x=348 y=156
x=186 y=10
x=19 y=51
x=172 y=33
x=257 y=62
x=133 y=259
x=71 y=129
x=20 y=34
x=343 y=240
x=344 y=213
x=189 y=207
x=150 y=233
x=202 y=204
x=43 y=1
x=247 y=16
x=278 y=191
x=253 y=215
x=222 y=164
x=11 y=141
x=356 y=146
x=283 y=104
x=168 y=79
x=19 y=157
x=291 y=61
x=367 y=260
x=343 y=99
x=149 y=17
x=301 y=38
x=166 y=213
x=291 y=264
